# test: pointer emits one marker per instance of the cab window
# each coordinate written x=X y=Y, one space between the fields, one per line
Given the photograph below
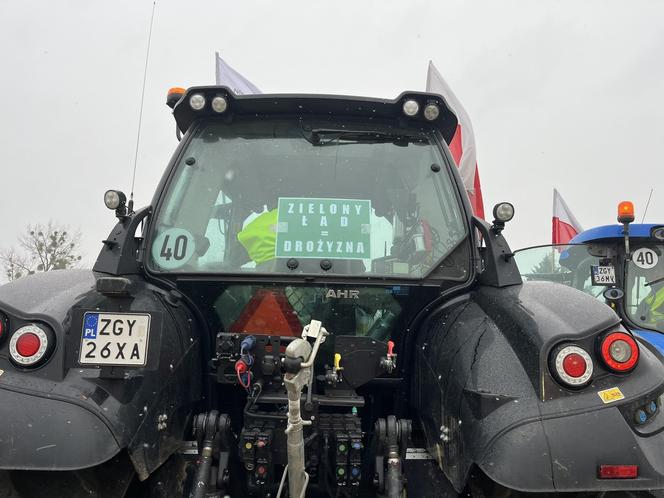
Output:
x=280 y=196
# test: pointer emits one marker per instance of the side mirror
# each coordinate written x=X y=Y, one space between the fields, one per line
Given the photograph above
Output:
x=115 y=199
x=502 y=213
x=613 y=294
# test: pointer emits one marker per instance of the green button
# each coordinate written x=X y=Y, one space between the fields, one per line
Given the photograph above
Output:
x=342 y=447
x=341 y=471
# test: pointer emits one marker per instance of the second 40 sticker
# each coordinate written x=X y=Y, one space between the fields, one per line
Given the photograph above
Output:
x=173 y=248
x=645 y=258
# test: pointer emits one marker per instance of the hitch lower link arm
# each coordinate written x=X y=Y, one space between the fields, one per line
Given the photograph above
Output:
x=392 y=436
x=213 y=436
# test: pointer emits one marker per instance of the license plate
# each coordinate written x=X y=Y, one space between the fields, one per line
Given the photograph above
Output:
x=115 y=339
x=603 y=275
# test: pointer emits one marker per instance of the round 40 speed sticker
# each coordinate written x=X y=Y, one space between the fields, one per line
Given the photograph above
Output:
x=173 y=248
x=645 y=258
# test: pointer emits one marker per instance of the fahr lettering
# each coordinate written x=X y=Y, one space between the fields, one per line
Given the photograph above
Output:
x=342 y=294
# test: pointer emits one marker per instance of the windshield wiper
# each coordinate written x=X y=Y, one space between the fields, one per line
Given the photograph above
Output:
x=321 y=137
x=648 y=284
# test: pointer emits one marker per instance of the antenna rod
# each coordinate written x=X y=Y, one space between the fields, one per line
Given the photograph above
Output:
x=140 y=115
x=647 y=205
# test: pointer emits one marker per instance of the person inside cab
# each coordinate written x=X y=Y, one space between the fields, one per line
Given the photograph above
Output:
x=648 y=267
x=652 y=307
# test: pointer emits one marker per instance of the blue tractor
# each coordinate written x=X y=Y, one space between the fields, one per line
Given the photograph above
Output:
x=622 y=264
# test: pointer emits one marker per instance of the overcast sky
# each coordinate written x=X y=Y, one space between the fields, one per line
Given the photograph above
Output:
x=561 y=93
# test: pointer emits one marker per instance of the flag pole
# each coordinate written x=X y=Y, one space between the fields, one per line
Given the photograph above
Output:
x=216 y=67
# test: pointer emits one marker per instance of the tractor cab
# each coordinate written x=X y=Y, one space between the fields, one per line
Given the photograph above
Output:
x=620 y=264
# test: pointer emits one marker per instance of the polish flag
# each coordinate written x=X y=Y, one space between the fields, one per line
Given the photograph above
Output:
x=565 y=225
x=462 y=146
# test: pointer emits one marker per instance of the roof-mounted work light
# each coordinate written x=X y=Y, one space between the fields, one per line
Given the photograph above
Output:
x=431 y=112
x=219 y=104
x=197 y=101
x=658 y=233
x=411 y=107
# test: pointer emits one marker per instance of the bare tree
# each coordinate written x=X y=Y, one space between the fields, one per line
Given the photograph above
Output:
x=44 y=248
x=14 y=265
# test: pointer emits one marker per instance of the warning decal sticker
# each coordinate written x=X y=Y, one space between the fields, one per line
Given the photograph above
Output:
x=611 y=395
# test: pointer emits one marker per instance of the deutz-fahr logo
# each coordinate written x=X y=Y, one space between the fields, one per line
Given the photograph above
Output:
x=342 y=294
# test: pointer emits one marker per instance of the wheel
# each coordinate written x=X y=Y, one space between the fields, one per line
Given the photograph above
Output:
x=108 y=480
x=168 y=481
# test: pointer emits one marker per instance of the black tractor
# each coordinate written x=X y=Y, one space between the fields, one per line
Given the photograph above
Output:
x=308 y=307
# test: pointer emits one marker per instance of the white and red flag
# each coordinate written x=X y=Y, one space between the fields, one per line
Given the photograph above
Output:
x=462 y=146
x=564 y=225
x=227 y=76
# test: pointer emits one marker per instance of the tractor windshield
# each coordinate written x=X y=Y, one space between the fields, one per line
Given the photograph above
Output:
x=644 y=293
x=325 y=197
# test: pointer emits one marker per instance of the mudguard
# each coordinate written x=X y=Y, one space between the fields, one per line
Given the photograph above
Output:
x=485 y=395
x=63 y=416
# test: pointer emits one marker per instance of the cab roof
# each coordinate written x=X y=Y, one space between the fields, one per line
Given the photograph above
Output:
x=301 y=105
x=643 y=230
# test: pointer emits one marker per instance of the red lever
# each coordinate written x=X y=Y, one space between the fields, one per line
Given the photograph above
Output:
x=390 y=348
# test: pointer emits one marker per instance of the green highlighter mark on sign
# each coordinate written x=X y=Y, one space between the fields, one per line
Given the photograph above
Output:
x=323 y=228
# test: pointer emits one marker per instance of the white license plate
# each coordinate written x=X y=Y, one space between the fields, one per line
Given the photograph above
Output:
x=603 y=275
x=115 y=339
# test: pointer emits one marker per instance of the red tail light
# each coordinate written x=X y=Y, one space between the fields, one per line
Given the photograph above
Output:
x=572 y=365
x=620 y=352
x=618 y=471
x=29 y=345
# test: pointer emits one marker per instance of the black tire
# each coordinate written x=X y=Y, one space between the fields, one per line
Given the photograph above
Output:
x=171 y=480
x=108 y=480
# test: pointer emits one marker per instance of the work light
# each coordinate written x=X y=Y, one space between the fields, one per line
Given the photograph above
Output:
x=411 y=107
x=219 y=104
x=197 y=102
x=431 y=112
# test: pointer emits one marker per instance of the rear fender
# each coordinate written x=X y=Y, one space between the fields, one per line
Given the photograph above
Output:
x=81 y=415
x=459 y=383
x=481 y=371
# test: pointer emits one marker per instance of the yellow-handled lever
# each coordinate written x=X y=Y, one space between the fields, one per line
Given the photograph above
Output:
x=337 y=361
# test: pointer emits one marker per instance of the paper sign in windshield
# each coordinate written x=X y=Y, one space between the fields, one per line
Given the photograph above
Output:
x=602 y=275
x=323 y=228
